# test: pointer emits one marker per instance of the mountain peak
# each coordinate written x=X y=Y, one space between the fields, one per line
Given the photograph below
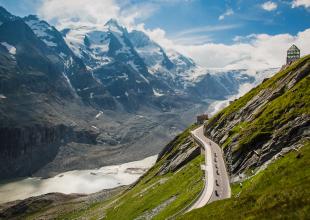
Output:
x=112 y=23
x=31 y=17
x=5 y=15
x=4 y=11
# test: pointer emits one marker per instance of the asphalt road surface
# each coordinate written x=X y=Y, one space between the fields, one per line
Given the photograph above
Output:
x=217 y=185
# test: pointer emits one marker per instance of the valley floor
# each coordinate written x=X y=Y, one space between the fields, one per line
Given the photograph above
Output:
x=123 y=138
x=76 y=181
x=166 y=189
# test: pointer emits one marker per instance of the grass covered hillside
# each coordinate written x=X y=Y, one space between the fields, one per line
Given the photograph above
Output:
x=169 y=187
x=279 y=192
x=271 y=118
x=266 y=139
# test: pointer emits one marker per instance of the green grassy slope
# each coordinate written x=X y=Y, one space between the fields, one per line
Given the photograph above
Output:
x=277 y=121
x=241 y=102
x=174 y=189
x=279 y=192
x=154 y=190
x=185 y=185
x=289 y=105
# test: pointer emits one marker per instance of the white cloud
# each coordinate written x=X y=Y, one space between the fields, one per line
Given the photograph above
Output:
x=208 y=29
x=258 y=52
x=269 y=6
x=253 y=52
x=301 y=3
x=195 y=39
x=229 y=12
x=94 y=12
x=97 y=12
x=199 y=35
x=82 y=10
x=158 y=35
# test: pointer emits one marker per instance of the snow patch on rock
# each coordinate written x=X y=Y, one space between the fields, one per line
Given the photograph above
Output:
x=99 y=114
x=11 y=49
x=157 y=93
x=49 y=43
x=68 y=81
x=2 y=96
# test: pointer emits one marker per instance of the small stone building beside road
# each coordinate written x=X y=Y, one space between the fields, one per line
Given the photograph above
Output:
x=202 y=118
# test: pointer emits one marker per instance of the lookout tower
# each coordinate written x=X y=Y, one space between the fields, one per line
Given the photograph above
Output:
x=293 y=53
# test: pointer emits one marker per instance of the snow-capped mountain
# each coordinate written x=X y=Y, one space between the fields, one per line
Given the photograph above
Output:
x=54 y=40
x=167 y=65
x=80 y=79
x=152 y=54
x=111 y=56
x=131 y=64
x=113 y=43
x=98 y=47
x=111 y=65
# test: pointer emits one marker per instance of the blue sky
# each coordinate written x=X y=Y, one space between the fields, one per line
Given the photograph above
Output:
x=176 y=16
x=248 y=17
x=216 y=34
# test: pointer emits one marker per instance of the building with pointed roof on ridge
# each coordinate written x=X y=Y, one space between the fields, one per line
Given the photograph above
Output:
x=293 y=53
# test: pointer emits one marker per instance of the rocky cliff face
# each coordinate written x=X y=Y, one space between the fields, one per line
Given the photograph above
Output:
x=270 y=120
x=36 y=102
x=25 y=149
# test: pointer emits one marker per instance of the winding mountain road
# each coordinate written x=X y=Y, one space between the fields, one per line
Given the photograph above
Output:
x=217 y=185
